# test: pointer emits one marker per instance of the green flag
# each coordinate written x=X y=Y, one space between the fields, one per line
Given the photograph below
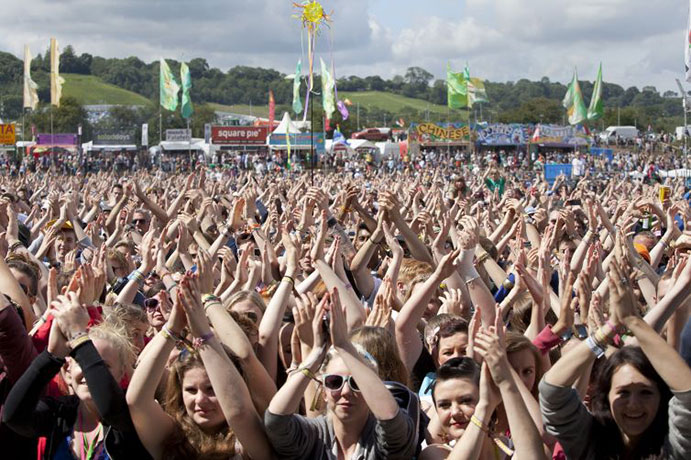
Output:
x=186 y=109
x=476 y=91
x=169 y=88
x=456 y=89
x=596 y=109
x=573 y=102
x=297 y=103
x=327 y=91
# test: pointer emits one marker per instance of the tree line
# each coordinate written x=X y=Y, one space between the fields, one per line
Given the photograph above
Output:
x=522 y=101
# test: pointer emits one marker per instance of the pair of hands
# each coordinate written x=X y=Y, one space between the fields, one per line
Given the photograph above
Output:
x=309 y=321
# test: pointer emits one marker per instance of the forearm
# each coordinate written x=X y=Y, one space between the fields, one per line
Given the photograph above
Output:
x=417 y=248
x=271 y=324
x=156 y=210
x=566 y=371
x=524 y=432
x=378 y=398
x=662 y=311
x=288 y=397
x=355 y=313
x=147 y=375
x=201 y=240
x=471 y=443
x=666 y=361
x=580 y=252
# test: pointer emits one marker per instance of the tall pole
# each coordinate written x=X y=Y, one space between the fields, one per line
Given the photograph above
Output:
x=358 y=115
x=686 y=130
x=189 y=142
x=312 y=141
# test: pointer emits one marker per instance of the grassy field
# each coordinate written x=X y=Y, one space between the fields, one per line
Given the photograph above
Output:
x=389 y=101
x=89 y=90
x=392 y=103
x=257 y=110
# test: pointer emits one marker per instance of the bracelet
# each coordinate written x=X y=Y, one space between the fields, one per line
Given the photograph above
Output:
x=171 y=287
x=168 y=334
x=79 y=341
x=372 y=241
x=78 y=335
x=136 y=275
x=662 y=242
x=16 y=245
x=210 y=298
x=211 y=303
x=612 y=326
x=478 y=423
x=597 y=350
x=288 y=279
x=199 y=342
x=308 y=373
x=483 y=258
x=471 y=279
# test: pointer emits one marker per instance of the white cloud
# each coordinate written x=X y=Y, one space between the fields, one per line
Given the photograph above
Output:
x=638 y=41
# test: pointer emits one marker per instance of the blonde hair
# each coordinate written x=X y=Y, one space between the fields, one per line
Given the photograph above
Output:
x=382 y=345
x=241 y=296
x=116 y=335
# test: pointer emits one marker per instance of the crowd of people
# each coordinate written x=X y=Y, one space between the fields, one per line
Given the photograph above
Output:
x=467 y=309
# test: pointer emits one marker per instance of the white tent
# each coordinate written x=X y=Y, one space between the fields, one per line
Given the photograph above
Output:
x=295 y=126
x=356 y=144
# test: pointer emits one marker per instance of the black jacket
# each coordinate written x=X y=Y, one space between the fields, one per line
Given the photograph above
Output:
x=31 y=415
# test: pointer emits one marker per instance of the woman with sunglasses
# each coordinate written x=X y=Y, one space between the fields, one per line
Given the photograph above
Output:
x=363 y=419
x=210 y=414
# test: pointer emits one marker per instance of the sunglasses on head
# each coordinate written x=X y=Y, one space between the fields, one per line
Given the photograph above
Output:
x=335 y=382
x=151 y=304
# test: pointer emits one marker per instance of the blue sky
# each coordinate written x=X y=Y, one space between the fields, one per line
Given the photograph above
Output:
x=640 y=42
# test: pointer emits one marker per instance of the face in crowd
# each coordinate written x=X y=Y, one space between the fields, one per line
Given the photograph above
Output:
x=141 y=222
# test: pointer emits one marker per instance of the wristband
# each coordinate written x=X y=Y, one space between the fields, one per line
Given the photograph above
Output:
x=79 y=341
x=612 y=326
x=597 y=350
x=289 y=279
x=210 y=298
x=478 y=423
x=308 y=373
x=199 y=342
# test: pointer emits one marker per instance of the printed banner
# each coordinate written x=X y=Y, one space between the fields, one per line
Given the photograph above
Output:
x=426 y=132
x=113 y=138
x=178 y=135
x=503 y=134
x=554 y=134
x=299 y=140
x=145 y=134
x=8 y=133
x=239 y=135
x=56 y=139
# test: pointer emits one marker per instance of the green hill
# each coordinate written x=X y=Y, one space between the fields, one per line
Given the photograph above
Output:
x=389 y=101
x=89 y=90
x=381 y=100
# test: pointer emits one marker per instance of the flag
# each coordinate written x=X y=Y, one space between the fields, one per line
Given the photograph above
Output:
x=272 y=110
x=596 y=109
x=297 y=103
x=339 y=138
x=30 y=87
x=186 y=80
x=56 y=80
x=687 y=48
x=456 y=89
x=536 y=135
x=327 y=91
x=169 y=88
x=573 y=102
x=476 y=91
x=340 y=105
x=347 y=102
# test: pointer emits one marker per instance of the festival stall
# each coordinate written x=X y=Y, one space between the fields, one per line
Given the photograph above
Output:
x=57 y=143
x=111 y=141
x=500 y=136
x=440 y=136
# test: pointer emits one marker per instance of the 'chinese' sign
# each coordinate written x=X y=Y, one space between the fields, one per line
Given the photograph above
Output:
x=446 y=131
x=239 y=135
x=7 y=134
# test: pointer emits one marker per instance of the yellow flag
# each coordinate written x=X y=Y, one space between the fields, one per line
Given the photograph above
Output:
x=30 y=94
x=56 y=80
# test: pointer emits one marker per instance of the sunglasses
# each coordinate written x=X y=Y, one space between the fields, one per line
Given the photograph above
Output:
x=335 y=382
x=138 y=221
x=151 y=304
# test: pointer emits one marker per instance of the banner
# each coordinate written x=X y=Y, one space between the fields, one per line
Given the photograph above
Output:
x=8 y=133
x=299 y=140
x=30 y=87
x=56 y=139
x=552 y=171
x=186 y=109
x=169 y=88
x=56 y=80
x=145 y=134
x=207 y=133
x=571 y=135
x=503 y=134
x=441 y=131
x=239 y=135
x=114 y=138
x=178 y=135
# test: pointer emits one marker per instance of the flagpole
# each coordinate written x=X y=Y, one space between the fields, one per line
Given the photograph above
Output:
x=189 y=142
x=312 y=142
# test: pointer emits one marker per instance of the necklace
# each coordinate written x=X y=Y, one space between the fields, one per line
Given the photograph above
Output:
x=86 y=446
